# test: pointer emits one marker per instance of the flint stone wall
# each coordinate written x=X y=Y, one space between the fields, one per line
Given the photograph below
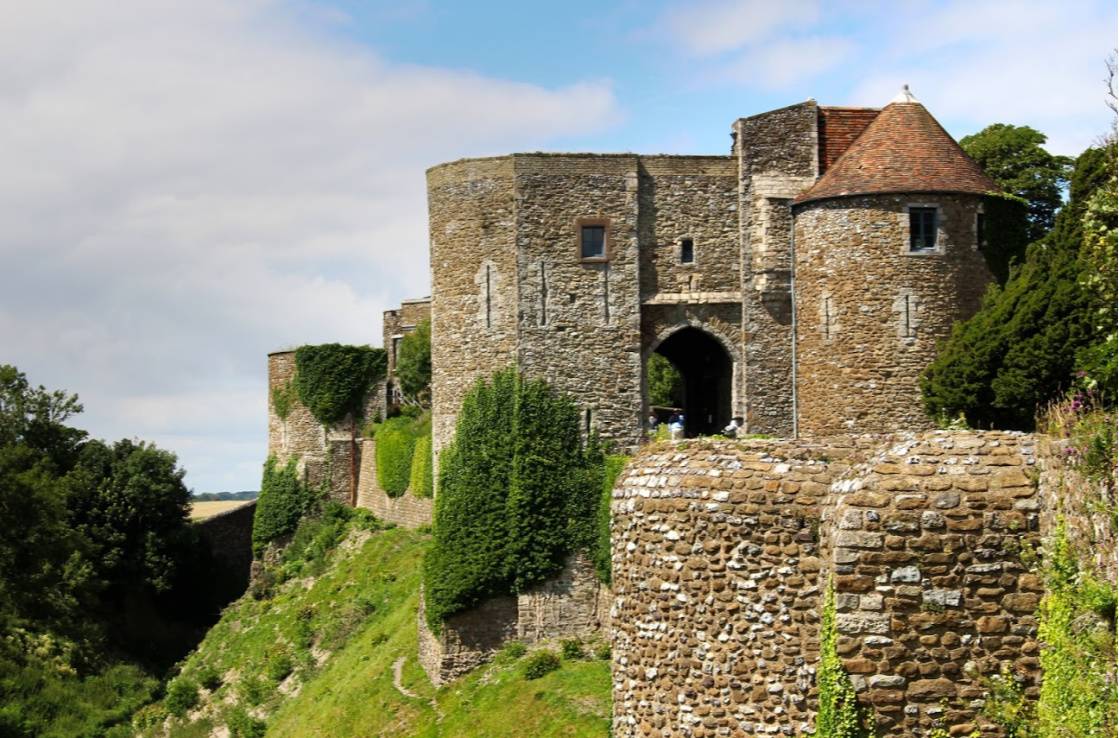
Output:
x=572 y=604
x=721 y=551
x=407 y=510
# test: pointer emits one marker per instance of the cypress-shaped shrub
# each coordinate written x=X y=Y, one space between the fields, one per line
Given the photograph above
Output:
x=467 y=562
x=282 y=502
x=421 y=480
x=396 y=440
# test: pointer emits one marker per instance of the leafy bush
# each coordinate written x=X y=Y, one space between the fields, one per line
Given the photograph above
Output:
x=1077 y=625
x=602 y=651
x=540 y=663
x=422 y=477
x=282 y=503
x=838 y=714
x=396 y=442
x=279 y=666
x=253 y=689
x=413 y=363
x=571 y=650
x=517 y=494
x=665 y=382
x=515 y=649
x=149 y=716
x=182 y=694
x=208 y=677
x=243 y=725
x=333 y=380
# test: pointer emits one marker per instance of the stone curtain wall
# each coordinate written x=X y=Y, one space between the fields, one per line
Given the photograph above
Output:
x=229 y=537
x=776 y=153
x=572 y=604
x=407 y=510
x=869 y=313
x=925 y=544
x=722 y=550
x=1085 y=505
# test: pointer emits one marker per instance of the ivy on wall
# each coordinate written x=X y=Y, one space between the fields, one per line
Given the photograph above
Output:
x=518 y=492
x=333 y=380
x=600 y=554
x=838 y=715
x=282 y=399
x=283 y=501
x=422 y=480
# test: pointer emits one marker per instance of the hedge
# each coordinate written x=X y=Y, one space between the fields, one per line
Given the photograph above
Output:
x=282 y=502
x=395 y=443
x=333 y=380
x=421 y=481
x=600 y=554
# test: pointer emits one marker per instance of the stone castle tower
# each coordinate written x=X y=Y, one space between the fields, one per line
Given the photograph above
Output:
x=800 y=283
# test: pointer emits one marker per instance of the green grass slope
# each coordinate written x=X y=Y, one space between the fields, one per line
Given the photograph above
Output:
x=320 y=655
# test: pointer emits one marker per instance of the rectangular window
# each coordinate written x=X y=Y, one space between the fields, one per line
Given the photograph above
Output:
x=980 y=236
x=594 y=242
x=687 y=251
x=922 y=229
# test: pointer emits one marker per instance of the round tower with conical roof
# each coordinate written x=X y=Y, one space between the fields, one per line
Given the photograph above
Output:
x=887 y=256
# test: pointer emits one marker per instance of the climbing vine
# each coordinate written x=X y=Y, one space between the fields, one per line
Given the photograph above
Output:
x=282 y=398
x=839 y=715
x=517 y=493
x=283 y=501
x=397 y=441
x=333 y=380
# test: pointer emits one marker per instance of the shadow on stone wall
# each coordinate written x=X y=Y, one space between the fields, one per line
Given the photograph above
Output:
x=229 y=537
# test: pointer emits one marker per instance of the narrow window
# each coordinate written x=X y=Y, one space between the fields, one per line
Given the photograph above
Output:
x=910 y=328
x=587 y=422
x=922 y=229
x=980 y=233
x=687 y=251
x=543 y=294
x=594 y=242
x=489 y=299
x=396 y=348
x=827 y=317
x=606 y=293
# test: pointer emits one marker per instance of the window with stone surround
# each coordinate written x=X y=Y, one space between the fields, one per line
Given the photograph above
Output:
x=593 y=239
x=687 y=251
x=980 y=224
x=922 y=228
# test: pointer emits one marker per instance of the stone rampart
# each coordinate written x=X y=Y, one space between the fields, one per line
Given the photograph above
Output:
x=229 y=537
x=572 y=604
x=407 y=510
x=722 y=550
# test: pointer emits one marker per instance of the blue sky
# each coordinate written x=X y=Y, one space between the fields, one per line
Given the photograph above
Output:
x=190 y=184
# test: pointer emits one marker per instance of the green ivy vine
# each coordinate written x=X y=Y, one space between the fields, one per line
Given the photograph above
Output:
x=839 y=714
x=333 y=380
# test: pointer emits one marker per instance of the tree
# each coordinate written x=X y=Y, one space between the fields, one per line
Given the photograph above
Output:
x=666 y=384
x=1013 y=156
x=1031 y=336
x=413 y=364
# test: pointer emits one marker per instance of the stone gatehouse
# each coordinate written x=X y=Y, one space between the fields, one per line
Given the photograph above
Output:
x=800 y=282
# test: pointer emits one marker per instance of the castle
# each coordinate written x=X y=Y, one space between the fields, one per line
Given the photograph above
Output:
x=800 y=283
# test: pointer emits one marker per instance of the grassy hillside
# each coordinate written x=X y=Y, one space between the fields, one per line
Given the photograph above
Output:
x=331 y=651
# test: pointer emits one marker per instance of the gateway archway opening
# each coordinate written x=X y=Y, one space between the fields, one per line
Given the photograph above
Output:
x=705 y=387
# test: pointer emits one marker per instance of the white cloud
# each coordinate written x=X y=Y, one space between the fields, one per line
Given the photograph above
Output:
x=717 y=26
x=191 y=183
x=1027 y=63
x=782 y=63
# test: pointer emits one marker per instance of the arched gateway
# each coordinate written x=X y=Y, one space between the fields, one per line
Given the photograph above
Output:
x=707 y=370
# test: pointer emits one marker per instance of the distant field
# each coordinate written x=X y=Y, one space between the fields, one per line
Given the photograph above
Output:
x=201 y=510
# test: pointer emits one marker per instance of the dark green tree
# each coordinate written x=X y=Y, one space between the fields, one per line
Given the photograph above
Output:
x=1024 y=346
x=413 y=364
x=1014 y=157
x=666 y=384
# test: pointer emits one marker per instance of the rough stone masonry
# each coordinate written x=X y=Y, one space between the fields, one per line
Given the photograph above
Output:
x=722 y=550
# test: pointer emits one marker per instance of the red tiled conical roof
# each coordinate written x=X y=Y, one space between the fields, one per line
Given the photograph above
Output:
x=903 y=149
